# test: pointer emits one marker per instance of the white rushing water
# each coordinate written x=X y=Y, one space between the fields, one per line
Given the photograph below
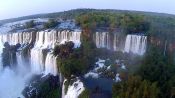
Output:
x=43 y=40
x=50 y=64
x=12 y=81
x=102 y=40
x=14 y=38
x=135 y=44
x=45 y=62
x=109 y=41
x=41 y=59
x=73 y=90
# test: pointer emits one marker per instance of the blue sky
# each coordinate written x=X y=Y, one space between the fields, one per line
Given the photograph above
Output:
x=16 y=8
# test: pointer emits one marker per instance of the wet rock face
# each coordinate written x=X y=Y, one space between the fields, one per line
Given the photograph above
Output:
x=43 y=87
x=9 y=54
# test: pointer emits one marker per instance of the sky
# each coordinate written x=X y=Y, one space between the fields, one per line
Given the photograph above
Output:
x=17 y=8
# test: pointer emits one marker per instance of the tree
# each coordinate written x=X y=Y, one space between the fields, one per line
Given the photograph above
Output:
x=71 y=61
x=135 y=87
x=30 y=24
x=156 y=68
x=50 y=24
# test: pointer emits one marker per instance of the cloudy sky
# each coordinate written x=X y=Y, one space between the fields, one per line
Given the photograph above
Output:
x=17 y=8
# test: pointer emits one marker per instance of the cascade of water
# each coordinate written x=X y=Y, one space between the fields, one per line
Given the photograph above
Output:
x=101 y=39
x=115 y=43
x=9 y=89
x=107 y=40
x=14 y=38
x=51 y=64
x=69 y=36
x=135 y=44
x=40 y=59
x=47 y=40
x=1 y=49
x=37 y=61
x=50 y=39
x=21 y=63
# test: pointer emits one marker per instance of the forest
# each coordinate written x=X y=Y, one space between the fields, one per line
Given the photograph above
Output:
x=155 y=75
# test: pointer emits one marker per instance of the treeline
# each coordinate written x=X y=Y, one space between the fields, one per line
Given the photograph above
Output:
x=51 y=23
x=154 y=79
x=129 y=23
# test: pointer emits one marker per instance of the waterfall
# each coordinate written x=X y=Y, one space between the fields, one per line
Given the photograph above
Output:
x=69 y=36
x=114 y=41
x=38 y=47
x=51 y=64
x=37 y=56
x=12 y=80
x=41 y=60
x=102 y=40
x=37 y=61
x=110 y=41
x=135 y=44
x=14 y=38
x=1 y=49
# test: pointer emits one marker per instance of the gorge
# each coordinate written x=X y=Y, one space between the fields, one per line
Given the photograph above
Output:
x=39 y=46
x=87 y=54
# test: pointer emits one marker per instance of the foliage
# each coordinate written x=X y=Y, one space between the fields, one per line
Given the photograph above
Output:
x=88 y=51
x=71 y=61
x=127 y=22
x=9 y=54
x=135 y=87
x=43 y=87
x=29 y=24
x=50 y=24
x=63 y=50
x=157 y=68
x=72 y=66
x=85 y=94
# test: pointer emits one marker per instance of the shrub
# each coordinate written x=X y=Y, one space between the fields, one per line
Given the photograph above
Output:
x=71 y=61
x=135 y=87
x=85 y=94
x=50 y=24
x=29 y=24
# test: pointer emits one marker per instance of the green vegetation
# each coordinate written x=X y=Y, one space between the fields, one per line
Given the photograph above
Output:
x=45 y=87
x=71 y=61
x=29 y=24
x=158 y=68
x=130 y=23
x=135 y=87
x=47 y=92
x=50 y=24
x=85 y=94
x=88 y=47
x=9 y=54
x=154 y=78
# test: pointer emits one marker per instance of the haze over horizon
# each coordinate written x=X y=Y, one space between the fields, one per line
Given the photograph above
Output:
x=18 y=8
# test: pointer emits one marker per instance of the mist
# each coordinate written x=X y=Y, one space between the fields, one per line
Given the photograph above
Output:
x=13 y=80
